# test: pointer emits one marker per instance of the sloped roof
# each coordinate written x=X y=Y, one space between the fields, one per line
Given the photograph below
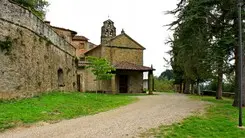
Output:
x=79 y=37
x=92 y=49
x=64 y=29
x=124 y=65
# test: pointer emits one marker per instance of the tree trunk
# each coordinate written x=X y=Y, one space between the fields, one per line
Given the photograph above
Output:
x=198 y=88
x=187 y=87
x=236 y=98
x=183 y=85
x=220 y=82
x=192 y=88
x=180 y=88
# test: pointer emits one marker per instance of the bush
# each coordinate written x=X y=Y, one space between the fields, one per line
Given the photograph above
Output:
x=163 y=85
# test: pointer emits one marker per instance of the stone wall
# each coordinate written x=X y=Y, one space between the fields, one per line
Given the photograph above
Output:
x=80 y=47
x=64 y=33
x=135 y=81
x=35 y=55
x=116 y=55
x=22 y=17
x=124 y=41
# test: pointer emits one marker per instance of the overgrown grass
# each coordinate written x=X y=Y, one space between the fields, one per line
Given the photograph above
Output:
x=219 y=121
x=57 y=106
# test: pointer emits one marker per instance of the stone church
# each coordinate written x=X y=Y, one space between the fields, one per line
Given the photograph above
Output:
x=37 y=57
x=125 y=54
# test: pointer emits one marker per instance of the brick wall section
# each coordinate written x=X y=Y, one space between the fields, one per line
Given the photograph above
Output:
x=36 y=54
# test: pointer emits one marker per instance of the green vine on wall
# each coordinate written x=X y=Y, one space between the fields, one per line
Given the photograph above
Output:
x=6 y=44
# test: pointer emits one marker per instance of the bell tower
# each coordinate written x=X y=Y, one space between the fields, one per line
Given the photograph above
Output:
x=108 y=31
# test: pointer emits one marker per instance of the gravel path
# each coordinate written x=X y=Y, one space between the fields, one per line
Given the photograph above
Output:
x=127 y=121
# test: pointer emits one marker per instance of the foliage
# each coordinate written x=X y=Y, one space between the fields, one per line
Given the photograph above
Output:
x=163 y=85
x=38 y=7
x=219 y=121
x=101 y=68
x=167 y=74
x=57 y=106
x=227 y=86
x=204 y=40
x=6 y=45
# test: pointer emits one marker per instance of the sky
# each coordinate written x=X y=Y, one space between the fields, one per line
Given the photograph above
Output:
x=143 y=20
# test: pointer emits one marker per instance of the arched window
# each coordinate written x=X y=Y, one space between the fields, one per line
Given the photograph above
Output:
x=60 y=78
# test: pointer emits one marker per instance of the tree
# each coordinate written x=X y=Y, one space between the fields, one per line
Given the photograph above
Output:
x=190 y=46
x=38 y=7
x=167 y=74
x=101 y=68
x=204 y=39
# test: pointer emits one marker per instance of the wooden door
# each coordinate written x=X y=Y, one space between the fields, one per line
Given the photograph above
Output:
x=123 y=84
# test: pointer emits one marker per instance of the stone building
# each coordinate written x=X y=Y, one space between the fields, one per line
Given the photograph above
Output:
x=34 y=58
x=125 y=54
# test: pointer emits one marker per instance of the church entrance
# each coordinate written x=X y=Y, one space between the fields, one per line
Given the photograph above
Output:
x=123 y=84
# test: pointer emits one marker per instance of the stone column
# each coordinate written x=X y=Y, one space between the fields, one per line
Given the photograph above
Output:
x=113 y=84
x=150 y=81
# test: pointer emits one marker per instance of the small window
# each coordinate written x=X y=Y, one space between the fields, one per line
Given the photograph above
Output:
x=60 y=78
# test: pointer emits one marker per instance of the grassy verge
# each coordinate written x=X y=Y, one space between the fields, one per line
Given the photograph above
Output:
x=133 y=94
x=57 y=106
x=219 y=121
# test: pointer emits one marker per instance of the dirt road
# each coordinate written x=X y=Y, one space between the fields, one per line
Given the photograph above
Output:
x=127 y=121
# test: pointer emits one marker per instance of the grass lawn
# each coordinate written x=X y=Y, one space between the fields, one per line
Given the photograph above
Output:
x=57 y=106
x=219 y=121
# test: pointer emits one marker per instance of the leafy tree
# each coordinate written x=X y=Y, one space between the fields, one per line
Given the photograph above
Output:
x=38 y=7
x=190 y=46
x=167 y=74
x=100 y=67
x=204 y=40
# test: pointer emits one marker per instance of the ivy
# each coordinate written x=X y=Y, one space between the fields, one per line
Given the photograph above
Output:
x=6 y=44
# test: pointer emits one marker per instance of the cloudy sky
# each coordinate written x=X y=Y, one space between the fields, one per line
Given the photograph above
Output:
x=143 y=20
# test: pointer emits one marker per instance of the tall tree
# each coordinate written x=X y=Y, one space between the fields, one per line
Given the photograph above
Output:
x=203 y=39
x=191 y=44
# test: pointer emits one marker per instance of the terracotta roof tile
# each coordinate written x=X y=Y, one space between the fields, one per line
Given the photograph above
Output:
x=130 y=66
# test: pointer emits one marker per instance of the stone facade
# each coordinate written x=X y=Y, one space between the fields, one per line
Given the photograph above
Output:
x=38 y=60
x=117 y=54
x=117 y=49
x=37 y=57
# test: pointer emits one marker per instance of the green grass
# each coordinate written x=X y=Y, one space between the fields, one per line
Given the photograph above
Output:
x=56 y=106
x=133 y=94
x=219 y=121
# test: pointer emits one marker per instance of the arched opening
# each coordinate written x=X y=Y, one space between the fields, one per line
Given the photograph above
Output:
x=60 y=78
